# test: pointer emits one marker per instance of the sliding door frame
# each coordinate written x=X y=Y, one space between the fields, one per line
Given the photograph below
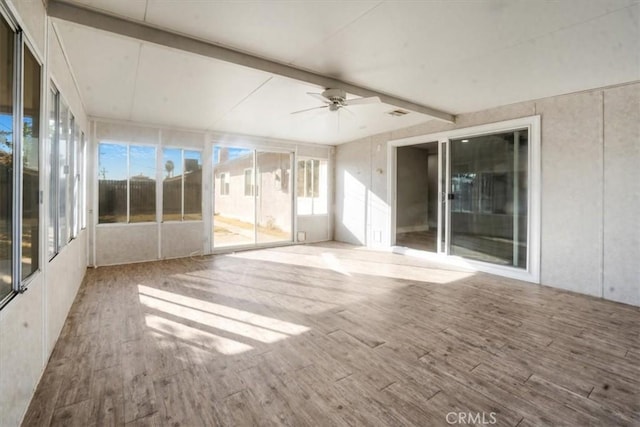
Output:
x=256 y=150
x=532 y=124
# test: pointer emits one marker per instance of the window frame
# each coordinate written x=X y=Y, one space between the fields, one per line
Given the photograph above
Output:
x=316 y=185
x=183 y=158
x=128 y=178
x=26 y=44
x=74 y=207
x=225 y=186
x=21 y=42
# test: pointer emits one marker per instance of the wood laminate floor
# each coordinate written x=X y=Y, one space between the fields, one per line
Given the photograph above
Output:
x=328 y=334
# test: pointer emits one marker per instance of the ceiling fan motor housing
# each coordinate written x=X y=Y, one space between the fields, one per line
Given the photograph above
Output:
x=336 y=96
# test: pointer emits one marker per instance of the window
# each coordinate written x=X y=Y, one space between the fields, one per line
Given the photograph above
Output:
x=248 y=182
x=192 y=185
x=52 y=231
x=182 y=185
x=65 y=175
x=7 y=40
x=142 y=184
x=30 y=165
x=312 y=187
x=72 y=201
x=20 y=93
x=224 y=184
x=126 y=183
x=83 y=182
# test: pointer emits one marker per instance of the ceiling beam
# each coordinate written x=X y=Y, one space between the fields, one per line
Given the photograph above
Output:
x=140 y=31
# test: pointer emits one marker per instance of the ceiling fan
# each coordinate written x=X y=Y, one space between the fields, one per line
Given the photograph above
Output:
x=336 y=99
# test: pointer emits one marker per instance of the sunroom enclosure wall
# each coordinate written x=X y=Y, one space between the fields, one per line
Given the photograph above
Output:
x=31 y=322
x=185 y=231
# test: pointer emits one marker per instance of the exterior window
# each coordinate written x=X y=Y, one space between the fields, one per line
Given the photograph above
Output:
x=142 y=184
x=20 y=95
x=30 y=165
x=52 y=231
x=182 y=185
x=72 y=200
x=126 y=183
x=83 y=182
x=224 y=184
x=63 y=173
x=249 y=183
x=312 y=187
x=192 y=185
x=7 y=40
x=112 y=183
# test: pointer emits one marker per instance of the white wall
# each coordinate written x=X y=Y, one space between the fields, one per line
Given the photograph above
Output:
x=621 y=245
x=590 y=239
x=31 y=323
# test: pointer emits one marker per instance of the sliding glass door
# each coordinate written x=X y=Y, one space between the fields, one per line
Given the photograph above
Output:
x=252 y=197
x=273 y=202
x=487 y=198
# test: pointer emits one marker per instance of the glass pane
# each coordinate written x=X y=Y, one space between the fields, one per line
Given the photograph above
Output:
x=234 y=213
x=52 y=178
x=172 y=185
x=63 y=173
x=274 y=198
x=71 y=189
x=6 y=157
x=31 y=173
x=312 y=187
x=489 y=210
x=112 y=183
x=320 y=187
x=77 y=203
x=83 y=182
x=304 y=203
x=249 y=183
x=142 y=184
x=192 y=185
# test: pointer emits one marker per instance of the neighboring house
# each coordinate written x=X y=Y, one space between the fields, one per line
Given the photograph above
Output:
x=235 y=188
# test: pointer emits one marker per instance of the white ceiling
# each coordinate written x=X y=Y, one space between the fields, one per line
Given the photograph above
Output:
x=457 y=56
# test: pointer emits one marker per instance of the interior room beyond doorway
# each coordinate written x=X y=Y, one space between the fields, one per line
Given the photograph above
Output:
x=417 y=197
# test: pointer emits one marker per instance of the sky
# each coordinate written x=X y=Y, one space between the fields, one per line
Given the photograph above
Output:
x=113 y=160
x=233 y=153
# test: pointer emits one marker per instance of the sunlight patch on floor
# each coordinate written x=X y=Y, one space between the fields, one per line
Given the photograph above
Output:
x=205 y=307
x=213 y=321
x=351 y=266
x=220 y=344
x=334 y=263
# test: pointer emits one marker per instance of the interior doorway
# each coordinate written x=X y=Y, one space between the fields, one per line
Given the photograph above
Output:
x=417 y=200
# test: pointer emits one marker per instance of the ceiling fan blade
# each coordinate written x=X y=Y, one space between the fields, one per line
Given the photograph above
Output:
x=347 y=110
x=360 y=101
x=319 y=97
x=310 y=109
